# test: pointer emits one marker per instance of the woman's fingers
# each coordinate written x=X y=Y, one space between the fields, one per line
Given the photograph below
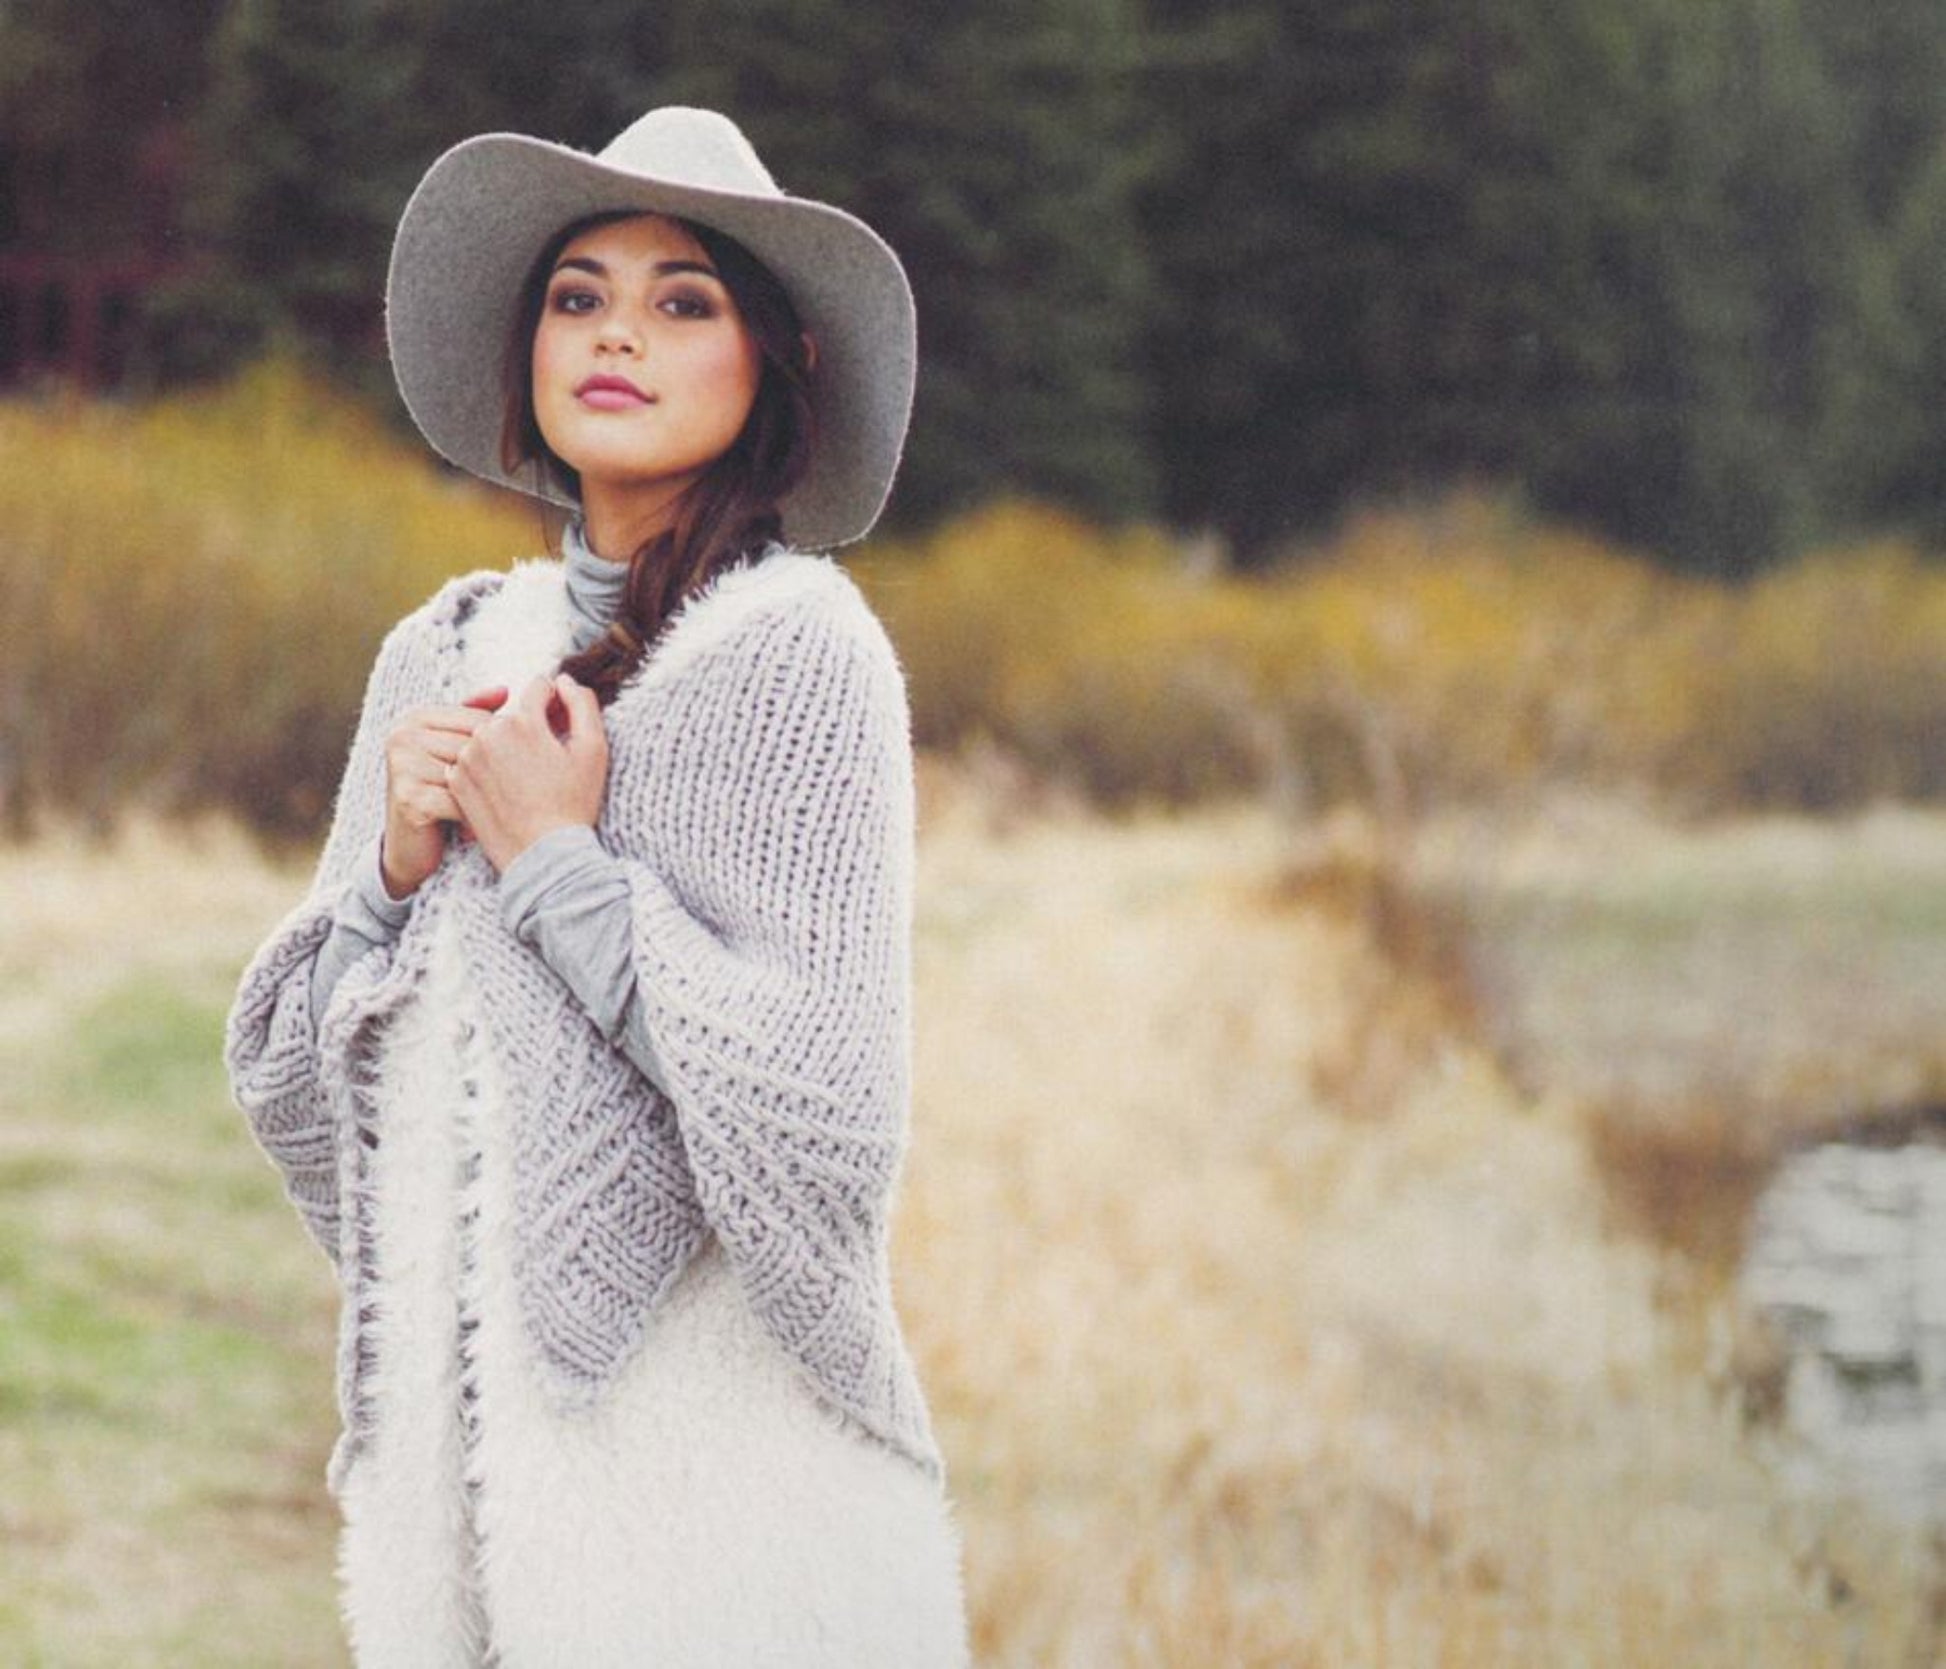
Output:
x=454 y=721
x=436 y=732
x=539 y=765
x=421 y=752
x=585 y=733
x=426 y=799
x=529 y=718
x=442 y=746
x=461 y=721
x=533 y=696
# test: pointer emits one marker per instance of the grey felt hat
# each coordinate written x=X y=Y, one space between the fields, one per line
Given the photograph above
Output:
x=483 y=212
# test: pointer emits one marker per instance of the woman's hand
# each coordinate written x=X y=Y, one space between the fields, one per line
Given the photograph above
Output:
x=519 y=776
x=420 y=752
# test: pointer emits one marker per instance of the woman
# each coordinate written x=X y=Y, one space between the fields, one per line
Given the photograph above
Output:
x=586 y=1059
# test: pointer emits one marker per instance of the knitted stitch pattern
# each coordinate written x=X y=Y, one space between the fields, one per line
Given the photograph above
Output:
x=759 y=799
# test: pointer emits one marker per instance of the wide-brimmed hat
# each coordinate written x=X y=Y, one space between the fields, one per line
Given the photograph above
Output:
x=472 y=230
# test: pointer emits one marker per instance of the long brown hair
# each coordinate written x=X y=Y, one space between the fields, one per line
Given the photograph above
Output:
x=731 y=511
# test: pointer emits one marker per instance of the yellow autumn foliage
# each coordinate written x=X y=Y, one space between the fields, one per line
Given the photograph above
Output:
x=1424 y=657
x=192 y=591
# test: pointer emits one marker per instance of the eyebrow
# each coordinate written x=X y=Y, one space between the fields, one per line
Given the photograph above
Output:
x=662 y=269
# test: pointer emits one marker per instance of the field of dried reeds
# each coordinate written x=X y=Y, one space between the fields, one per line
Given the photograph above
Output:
x=1268 y=1319
x=1358 y=1004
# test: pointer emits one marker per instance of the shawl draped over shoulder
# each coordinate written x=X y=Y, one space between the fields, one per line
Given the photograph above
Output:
x=759 y=802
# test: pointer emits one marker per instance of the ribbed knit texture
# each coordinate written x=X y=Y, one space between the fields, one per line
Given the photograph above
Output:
x=367 y=915
x=594 y=585
x=760 y=800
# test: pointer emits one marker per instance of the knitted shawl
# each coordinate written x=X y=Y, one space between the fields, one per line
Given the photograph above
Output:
x=759 y=799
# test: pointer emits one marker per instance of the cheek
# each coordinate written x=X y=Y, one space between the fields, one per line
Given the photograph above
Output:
x=544 y=363
x=723 y=376
x=540 y=384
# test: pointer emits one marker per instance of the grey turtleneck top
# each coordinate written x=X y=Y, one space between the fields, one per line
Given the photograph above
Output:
x=564 y=896
x=594 y=586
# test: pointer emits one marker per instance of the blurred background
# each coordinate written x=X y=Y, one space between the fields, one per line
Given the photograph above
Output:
x=1421 y=567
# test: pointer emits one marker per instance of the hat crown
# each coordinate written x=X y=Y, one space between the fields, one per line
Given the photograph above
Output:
x=691 y=147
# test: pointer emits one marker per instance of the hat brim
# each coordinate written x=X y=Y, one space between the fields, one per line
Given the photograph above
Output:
x=468 y=238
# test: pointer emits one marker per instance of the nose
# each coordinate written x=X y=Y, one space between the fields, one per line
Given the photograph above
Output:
x=618 y=333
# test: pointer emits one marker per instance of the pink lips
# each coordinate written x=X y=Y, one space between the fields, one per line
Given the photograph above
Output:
x=610 y=394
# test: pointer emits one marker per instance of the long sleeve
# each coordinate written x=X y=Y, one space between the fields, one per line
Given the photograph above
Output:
x=772 y=962
x=368 y=918
x=741 y=1066
x=568 y=900
x=271 y=1049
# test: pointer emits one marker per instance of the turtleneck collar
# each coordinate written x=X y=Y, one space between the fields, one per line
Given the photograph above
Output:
x=594 y=586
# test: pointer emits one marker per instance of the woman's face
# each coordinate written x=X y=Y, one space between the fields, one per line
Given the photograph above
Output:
x=643 y=370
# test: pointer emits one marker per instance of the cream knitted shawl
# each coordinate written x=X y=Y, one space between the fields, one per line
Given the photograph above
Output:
x=759 y=798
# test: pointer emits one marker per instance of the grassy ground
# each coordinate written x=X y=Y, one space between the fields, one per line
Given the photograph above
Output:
x=1267 y=1320
x=1786 y=962
x=1706 y=996
x=164 y=1340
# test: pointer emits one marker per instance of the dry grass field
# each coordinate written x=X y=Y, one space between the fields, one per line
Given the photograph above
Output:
x=1268 y=1317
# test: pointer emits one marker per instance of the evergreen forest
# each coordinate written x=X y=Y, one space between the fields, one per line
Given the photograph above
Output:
x=1673 y=271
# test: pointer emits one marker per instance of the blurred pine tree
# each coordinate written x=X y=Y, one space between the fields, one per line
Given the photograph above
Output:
x=997 y=147
x=1668 y=269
